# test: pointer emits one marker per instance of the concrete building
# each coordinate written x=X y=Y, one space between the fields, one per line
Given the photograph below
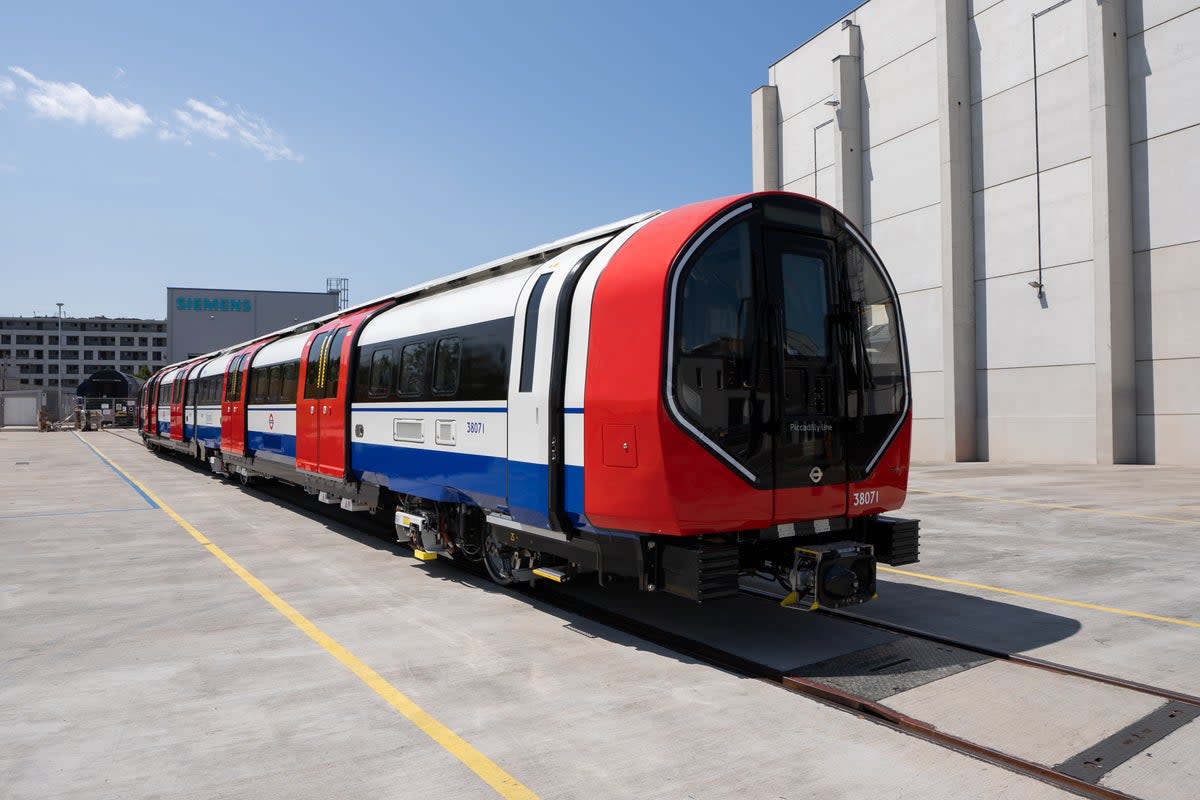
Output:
x=31 y=353
x=1023 y=167
x=202 y=320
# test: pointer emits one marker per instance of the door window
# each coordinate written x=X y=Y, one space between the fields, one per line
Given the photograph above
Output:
x=333 y=363
x=233 y=380
x=529 y=341
x=314 y=379
x=805 y=306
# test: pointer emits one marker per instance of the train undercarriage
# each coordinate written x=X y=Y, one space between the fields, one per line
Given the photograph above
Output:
x=818 y=563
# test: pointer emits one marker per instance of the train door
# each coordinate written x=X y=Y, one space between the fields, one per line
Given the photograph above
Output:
x=322 y=409
x=802 y=282
x=234 y=397
x=147 y=410
x=528 y=400
x=233 y=406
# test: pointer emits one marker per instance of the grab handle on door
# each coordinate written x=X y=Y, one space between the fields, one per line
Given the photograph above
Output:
x=324 y=410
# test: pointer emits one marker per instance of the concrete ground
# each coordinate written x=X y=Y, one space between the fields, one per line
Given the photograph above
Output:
x=136 y=664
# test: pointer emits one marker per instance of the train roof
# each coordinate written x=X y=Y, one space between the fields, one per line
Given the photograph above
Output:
x=499 y=266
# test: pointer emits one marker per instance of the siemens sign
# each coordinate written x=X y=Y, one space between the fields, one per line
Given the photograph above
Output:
x=211 y=304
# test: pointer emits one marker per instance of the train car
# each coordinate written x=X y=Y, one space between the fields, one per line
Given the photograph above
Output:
x=680 y=399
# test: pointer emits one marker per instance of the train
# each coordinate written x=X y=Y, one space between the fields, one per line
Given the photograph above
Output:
x=680 y=401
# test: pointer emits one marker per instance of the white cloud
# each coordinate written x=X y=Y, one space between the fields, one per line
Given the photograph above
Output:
x=122 y=119
x=249 y=129
x=125 y=119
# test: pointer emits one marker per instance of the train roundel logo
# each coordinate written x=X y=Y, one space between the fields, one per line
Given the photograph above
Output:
x=271 y=421
x=815 y=474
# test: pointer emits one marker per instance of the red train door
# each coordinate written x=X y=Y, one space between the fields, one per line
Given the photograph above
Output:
x=233 y=399
x=323 y=405
x=233 y=407
x=175 y=430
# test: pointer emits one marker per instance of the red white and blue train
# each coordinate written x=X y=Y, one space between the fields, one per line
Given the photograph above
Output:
x=681 y=399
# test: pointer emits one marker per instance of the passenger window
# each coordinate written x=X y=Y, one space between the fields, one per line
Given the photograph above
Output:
x=413 y=362
x=275 y=383
x=314 y=374
x=291 y=379
x=529 y=343
x=380 y=381
x=445 y=366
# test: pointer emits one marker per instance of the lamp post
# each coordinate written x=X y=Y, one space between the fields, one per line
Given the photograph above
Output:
x=59 y=361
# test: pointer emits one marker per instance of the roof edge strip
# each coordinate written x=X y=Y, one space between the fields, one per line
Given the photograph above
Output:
x=496 y=267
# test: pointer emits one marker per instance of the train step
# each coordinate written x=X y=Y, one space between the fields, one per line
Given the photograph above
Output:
x=558 y=575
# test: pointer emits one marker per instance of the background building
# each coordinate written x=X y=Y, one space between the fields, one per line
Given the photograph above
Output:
x=31 y=354
x=1024 y=169
x=202 y=320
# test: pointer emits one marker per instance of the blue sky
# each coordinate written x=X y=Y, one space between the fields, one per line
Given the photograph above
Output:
x=248 y=145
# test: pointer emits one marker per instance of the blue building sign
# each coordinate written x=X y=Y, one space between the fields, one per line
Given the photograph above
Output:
x=211 y=304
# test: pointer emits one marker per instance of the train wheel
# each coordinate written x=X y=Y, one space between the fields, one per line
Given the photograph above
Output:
x=498 y=560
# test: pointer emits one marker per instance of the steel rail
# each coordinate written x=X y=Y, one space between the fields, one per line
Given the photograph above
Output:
x=1000 y=655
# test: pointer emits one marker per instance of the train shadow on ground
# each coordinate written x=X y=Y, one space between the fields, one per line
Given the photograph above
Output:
x=751 y=629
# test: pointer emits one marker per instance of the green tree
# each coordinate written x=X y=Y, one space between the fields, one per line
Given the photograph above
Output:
x=143 y=373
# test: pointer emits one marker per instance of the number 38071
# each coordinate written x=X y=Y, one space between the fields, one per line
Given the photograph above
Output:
x=868 y=498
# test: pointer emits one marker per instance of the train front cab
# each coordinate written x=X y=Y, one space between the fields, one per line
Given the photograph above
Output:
x=771 y=430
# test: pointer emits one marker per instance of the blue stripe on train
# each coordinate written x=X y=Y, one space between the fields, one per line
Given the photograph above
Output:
x=209 y=435
x=164 y=428
x=280 y=444
x=450 y=476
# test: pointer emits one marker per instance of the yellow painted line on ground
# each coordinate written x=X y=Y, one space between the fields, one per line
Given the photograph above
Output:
x=1061 y=507
x=504 y=784
x=1044 y=598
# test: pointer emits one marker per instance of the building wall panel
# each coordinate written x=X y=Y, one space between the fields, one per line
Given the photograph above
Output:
x=1015 y=329
x=1005 y=218
x=1165 y=173
x=1169 y=439
x=927 y=447
x=1002 y=137
x=900 y=96
x=1061 y=34
x=1164 y=71
x=799 y=142
x=1064 y=127
x=1067 y=214
x=805 y=77
x=1171 y=386
x=892 y=29
x=928 y=395
x=910 y=246
x=902 y=174
x=923 y=327
x=1166 y=285
x=1039 y=415
x=1143 y=14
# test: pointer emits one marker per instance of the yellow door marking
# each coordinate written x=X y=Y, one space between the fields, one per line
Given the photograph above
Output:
x=1061 y=507
x=504 y=784
x=1044 y=598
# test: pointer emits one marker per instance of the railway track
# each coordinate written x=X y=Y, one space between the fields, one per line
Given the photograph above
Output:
x=1079 y=775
